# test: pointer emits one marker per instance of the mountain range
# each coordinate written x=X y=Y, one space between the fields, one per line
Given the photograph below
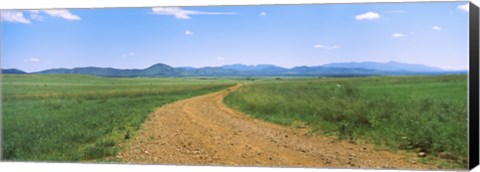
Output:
x=332 y=69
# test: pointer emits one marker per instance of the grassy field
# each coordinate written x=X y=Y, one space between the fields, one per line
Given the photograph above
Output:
x=418 y=113
x=83 y=118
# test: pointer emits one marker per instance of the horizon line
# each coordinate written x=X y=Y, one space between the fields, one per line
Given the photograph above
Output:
x=446 y=69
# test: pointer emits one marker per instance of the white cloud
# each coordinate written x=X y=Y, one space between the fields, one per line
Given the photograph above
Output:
x=131 y=54
x=220 y=58
x=18 y=17
x=436 y=28
x=35 y=15
x=180 y=13
x=398 y=35
x=34 y=60
x=368 y=16
x=263 y=14
x=187 y=32
x=14 y=17
x=326 y=46
x=464 y=7
x=65 y=14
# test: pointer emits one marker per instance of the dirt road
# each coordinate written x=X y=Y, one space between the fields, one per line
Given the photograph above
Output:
x=204 y=131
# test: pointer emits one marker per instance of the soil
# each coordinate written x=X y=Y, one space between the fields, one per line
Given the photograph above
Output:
x=204 y=131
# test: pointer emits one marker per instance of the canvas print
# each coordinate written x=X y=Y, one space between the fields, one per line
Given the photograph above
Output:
x=371 y=85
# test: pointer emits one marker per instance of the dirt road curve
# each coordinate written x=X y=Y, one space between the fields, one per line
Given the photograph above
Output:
x=204 y=131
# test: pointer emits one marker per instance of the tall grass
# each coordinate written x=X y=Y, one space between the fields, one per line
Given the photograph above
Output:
x=82 y=118
x=426 y=113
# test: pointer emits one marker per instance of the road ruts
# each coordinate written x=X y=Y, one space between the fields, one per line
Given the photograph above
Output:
x=204 y=131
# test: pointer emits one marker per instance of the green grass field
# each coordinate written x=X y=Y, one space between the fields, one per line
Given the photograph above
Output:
x=83 y=118
x=418 y=113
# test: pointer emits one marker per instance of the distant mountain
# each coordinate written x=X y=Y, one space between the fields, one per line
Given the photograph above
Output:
x=242 y=67
x=152 y=71
x=333 y=69
x=55 y=71
x=214 y=71
x=261 y=69
x=268 y=70
x=159 y=70
x=390 y=66
x=187 y=68
x=13 y=71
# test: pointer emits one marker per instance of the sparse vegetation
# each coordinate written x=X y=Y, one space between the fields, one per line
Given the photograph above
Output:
x=424 y=114
x=83 y=118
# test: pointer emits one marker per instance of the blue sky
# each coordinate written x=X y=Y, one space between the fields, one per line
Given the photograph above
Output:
x=432 y=33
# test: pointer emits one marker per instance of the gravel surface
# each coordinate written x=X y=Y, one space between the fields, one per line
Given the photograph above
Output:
x=204 y=131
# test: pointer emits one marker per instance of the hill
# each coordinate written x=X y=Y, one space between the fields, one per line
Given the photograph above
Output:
x=13 y=71
x=331 y=70
x=390 y=66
